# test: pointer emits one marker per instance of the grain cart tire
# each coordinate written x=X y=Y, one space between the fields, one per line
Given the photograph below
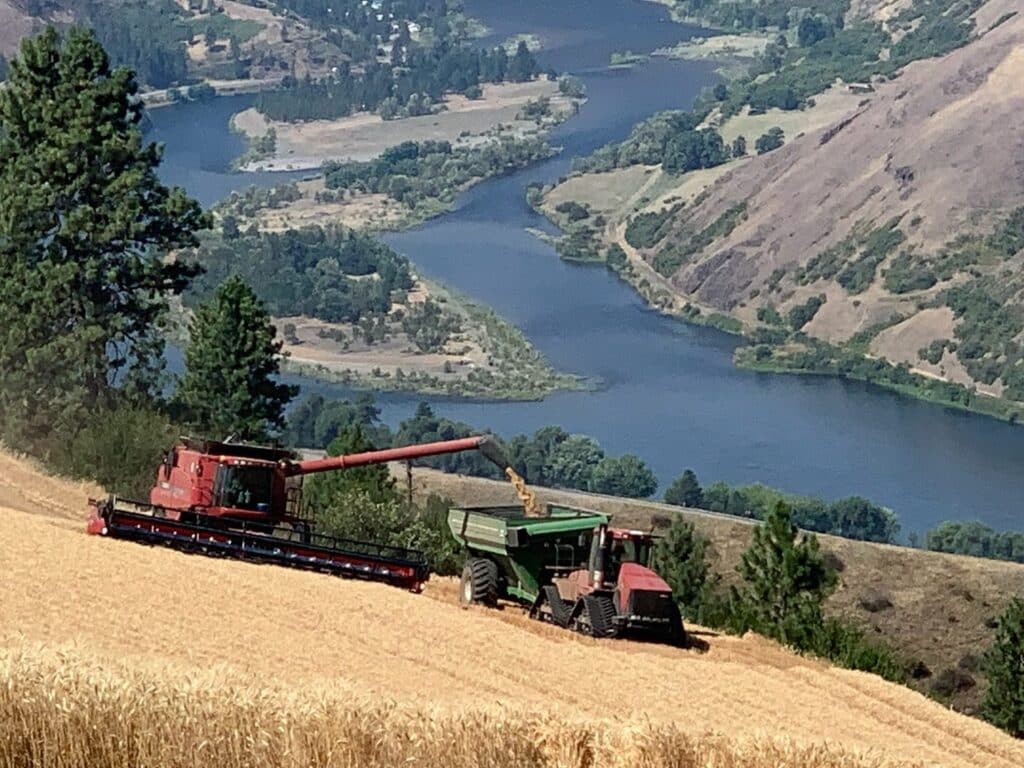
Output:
x=479 y=583
x=599 y=615
x=561 y=611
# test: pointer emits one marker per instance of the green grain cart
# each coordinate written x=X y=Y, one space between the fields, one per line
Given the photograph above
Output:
x=568 y=567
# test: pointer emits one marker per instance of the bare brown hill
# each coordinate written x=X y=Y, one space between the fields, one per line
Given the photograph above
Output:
x=939 y=146
x=935 y=608
x=112 y=653
x=936 y=154
x=16 y=22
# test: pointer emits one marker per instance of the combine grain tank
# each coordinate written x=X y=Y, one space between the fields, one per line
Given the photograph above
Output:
x=568 y=567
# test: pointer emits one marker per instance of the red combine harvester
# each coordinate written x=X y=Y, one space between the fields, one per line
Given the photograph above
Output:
x=243 y=501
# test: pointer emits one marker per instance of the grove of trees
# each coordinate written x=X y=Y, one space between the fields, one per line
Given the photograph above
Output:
x=784 y=582
x=86 y=285
x=853 y=517
x=84 y=225
x=414 y=173
x=408 y=85
x=976 y=539
x=320 y=272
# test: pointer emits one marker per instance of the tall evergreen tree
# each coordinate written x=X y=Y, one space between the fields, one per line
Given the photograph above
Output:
x=230 y=365
x=680 y=558
x=84 y=224
x=786 y=581
x=1004 y=665
x=322 y=491
x=685 y=491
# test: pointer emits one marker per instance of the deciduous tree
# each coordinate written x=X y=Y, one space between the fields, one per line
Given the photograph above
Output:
x=625 y=475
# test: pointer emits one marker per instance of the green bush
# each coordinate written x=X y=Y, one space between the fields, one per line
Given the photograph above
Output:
x=802 y=314
x=119 y=447
x=772 y=139
x=646 y=230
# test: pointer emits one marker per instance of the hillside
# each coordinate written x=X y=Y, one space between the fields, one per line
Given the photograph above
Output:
x=880 y=202
x=251 y=661
x=935 y=608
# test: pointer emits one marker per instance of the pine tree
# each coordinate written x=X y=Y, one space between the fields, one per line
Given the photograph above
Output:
x=680 y=558
x=84 y=223
x=230 y=364
x=685 y=491
x=1004 y=666
x=786 y=581
x=374 y=480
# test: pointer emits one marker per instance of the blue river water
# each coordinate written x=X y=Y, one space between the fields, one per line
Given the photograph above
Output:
x=667 y=391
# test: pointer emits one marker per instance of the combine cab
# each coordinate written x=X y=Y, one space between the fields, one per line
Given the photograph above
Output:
x=569 y=567
x=242 y=501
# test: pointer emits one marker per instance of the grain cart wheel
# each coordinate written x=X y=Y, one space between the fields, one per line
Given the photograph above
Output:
x=479 y=582
x=599 y=615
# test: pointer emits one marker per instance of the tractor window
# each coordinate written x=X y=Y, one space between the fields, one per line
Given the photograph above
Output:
x=245 y=487
x=628 y=551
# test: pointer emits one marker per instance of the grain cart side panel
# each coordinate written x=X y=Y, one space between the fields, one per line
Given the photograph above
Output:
x=527 y=550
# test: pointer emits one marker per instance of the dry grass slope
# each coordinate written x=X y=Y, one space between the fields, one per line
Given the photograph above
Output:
x=933 y=607
x=114 y=654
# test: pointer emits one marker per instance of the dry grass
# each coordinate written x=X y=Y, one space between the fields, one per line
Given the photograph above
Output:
x=941 y=604
x=115 y=654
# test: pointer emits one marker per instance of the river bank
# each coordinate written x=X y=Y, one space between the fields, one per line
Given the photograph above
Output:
x=785 y=354
x=499 y=112
x=482 y=356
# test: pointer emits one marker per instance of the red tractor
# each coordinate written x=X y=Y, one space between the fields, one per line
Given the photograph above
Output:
x=244 y=501
x=567 y=566
x=617 y=592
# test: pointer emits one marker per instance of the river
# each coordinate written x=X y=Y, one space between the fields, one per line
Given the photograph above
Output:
x=668 y=392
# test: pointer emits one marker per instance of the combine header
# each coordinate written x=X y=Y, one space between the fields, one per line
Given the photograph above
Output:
x=243 y=501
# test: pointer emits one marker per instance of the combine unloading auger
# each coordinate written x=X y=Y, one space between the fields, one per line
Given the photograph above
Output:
x=242 y=501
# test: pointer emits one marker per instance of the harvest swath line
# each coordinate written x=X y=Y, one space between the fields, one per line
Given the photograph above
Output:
x=184 y=660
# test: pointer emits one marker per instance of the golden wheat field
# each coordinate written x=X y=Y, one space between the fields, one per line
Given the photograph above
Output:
x=116 y=654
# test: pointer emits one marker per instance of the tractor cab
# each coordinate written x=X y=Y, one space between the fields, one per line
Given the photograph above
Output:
x=611 y=548
x=627 y=547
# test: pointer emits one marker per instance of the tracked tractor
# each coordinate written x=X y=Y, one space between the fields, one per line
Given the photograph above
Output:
x=567 y=567
x=244 y=501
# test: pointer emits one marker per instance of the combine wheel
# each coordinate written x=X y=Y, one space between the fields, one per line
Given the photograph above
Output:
x=599 y=616
x=479 y=582
x=561 y=611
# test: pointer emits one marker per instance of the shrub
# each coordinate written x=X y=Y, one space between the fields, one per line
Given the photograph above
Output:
x=118 y=447
x=772 y=139
x=1004 y=665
